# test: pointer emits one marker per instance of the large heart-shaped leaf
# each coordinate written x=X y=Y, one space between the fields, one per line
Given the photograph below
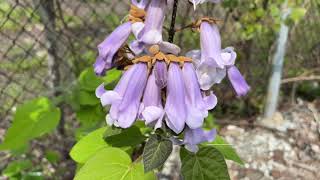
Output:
x=32 y=119
x=156 y=152
x=88 y=146
x=207 y=163
x=112 y=164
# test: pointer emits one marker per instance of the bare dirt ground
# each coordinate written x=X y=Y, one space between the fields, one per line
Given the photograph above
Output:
x=286 y=147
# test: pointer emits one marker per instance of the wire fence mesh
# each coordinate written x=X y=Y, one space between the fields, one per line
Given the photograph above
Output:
x=44 y=44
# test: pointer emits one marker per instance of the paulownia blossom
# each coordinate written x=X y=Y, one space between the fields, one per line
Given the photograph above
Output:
x=125 y=98
x=193 y=137
x=110 y=46
x=160 y=87
x=213 y=63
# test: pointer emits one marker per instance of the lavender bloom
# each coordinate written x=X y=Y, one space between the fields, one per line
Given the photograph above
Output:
x=125 y=98
x=197 y=105
x=152 y=31
x=209 y=75
x=109 y=47
x=151 y=106
x=161 y=74
x=210 y=45
x=193 y=137
x=238 y=82
x=175 y=107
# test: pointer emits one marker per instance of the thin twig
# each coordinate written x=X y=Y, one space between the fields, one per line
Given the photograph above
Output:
x=300 y=78
x=173 y=21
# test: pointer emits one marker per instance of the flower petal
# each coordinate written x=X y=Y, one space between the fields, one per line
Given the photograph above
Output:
x=238 y=82
x=175 y=107
x=100 y=91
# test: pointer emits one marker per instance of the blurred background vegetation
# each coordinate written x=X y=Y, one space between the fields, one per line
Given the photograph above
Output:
x=47 y=48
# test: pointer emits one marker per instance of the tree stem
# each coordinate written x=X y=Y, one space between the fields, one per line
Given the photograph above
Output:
x=173 y=21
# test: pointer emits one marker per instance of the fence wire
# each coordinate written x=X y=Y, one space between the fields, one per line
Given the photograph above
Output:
x=44 y=44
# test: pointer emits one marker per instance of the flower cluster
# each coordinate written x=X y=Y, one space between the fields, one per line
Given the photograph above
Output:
x=158 y=85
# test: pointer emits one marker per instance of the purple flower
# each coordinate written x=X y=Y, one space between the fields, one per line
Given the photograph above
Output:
x=238 y=82
x=210 y=45
x=125 y=98
x=161 y=74
x=152 y=31
x=151 y=106
x=176 y=109
x=193 y=137
x=209 y=75
x=197 y=105
x=109 y=47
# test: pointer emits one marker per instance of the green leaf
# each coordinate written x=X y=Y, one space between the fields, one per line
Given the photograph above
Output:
x=156 y=152
x=297 y=14
x=32 y=119
x=89 y=115
x=226 y=149
x=112 y=164
x=207 y=163
x=112 y=76
x=16 y=166
x=88 y=146
x=52 y=156
x=87 y=98
x=128 y=137
x=88 y=80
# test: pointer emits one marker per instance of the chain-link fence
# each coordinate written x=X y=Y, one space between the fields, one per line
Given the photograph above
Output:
x=44 y=44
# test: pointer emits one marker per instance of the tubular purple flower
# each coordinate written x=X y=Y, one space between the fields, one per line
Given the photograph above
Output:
x=175 y=107
x=197 y=105
x=152 y=31
x=161 y=74
x=238 y=82
x=128 y=109
x=109 y=47
x=193 y=137
x=125 y=98
x=210 y=45
x=152 y=109
x=209 y=75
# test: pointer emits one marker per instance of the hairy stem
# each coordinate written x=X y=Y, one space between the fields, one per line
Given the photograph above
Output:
x=173 y=21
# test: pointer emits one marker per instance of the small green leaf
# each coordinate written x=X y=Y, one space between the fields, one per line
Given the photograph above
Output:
x=89 y=115
x=87 y=98
x=207 y=163
x=112 y=76
x=297 y=14
x=16 y=167
x=88 y=146
x=32 y=119
x=112 y=164
x=52 y=156
x=128 y=137
x=156 y=152
x=226 y=149
x=88 y=80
